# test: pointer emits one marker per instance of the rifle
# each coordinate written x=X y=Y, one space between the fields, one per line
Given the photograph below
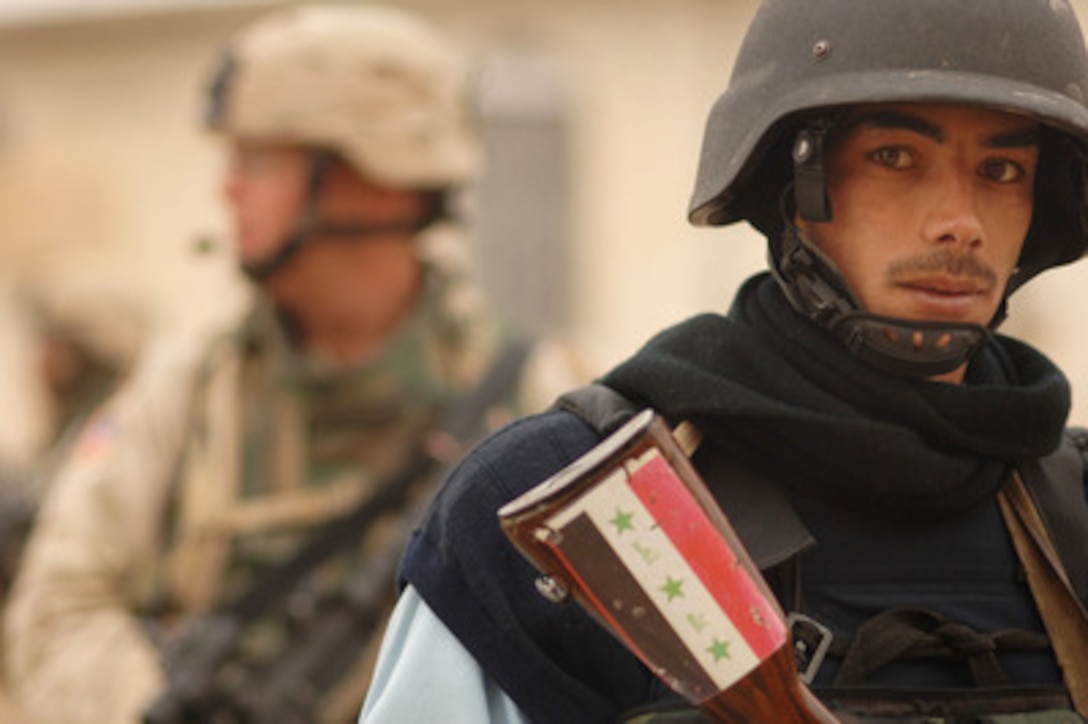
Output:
x=200 y=684
x=327 y=644
x=631 y=532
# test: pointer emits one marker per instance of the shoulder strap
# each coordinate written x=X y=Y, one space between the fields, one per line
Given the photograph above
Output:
x=1063 y=613
x=206 y=486
x=600 y=407
x=1057 y=487
x=746 y=497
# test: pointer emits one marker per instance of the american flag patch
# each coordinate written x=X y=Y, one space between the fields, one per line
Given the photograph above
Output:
x=96 y=438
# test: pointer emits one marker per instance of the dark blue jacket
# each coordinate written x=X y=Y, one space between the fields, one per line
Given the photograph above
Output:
x=559 y=665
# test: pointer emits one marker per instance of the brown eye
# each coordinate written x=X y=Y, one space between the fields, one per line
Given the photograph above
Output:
x=1003 y=171
x=892 y=157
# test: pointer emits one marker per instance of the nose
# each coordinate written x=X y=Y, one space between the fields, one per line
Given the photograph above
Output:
x=953 y=217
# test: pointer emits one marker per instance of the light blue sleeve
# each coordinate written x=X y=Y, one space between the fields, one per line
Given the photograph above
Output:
x=424 y=674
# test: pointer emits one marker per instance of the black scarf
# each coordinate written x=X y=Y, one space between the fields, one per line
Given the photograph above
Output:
x=790 y=400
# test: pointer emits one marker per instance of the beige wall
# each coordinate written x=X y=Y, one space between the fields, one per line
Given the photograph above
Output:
x=101 y=160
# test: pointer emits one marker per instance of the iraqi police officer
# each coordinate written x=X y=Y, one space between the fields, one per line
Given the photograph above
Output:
x=912 y=163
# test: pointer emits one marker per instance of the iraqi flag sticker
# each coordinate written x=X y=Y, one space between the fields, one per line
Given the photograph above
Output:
x=665 y=579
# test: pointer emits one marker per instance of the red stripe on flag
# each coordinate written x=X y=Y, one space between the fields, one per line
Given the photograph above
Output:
x=698 y=540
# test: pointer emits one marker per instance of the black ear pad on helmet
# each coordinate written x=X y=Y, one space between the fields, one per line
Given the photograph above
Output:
x=809 y=179
x=1059 y=225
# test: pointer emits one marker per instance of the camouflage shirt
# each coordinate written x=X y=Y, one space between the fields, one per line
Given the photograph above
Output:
x=220 y=464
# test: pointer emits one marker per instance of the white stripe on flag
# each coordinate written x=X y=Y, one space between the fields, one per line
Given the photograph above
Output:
x=665 y=578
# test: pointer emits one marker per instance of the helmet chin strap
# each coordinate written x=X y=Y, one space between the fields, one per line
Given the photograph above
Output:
x=903 y=347
x=264 y=269
x=816 y=288
x=310 y=226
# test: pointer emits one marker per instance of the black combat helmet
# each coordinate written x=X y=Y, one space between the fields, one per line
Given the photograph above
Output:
x=802 y=59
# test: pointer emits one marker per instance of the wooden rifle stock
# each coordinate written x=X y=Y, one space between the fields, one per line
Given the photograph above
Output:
x=632 y=533
x=772 y=692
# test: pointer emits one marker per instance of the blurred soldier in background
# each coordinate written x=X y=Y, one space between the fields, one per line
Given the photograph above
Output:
x=146 y=588
x=63 y=350
x=25 y=429
x=64 y=347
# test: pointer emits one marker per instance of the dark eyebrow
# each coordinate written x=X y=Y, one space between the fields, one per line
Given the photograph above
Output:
x=894 y=119
x=1022 y=138
x=891 y=119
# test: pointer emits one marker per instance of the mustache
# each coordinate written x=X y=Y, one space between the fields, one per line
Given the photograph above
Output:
x=946 y=262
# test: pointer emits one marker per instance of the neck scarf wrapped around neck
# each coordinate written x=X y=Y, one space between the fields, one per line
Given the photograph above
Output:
x=786 y=397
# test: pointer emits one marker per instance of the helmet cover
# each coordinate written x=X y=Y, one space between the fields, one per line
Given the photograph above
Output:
x=375 y=84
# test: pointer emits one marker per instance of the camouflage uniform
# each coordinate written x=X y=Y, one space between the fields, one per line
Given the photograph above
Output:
x=204 y=471
x=60 y=362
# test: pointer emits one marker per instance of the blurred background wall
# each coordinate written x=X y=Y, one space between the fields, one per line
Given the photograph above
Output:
x=593 y=112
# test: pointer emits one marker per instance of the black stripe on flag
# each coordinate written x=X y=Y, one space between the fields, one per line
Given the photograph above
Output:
x=635 y=614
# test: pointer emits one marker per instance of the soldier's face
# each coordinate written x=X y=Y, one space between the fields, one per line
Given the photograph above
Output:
x=264 y=186
x=930 y=206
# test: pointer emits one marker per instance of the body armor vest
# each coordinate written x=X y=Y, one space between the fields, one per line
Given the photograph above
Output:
x=750 y=500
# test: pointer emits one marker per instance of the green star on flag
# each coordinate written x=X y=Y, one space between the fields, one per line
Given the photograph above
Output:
x=673 y=588
x=719 y=650
x=622 y=521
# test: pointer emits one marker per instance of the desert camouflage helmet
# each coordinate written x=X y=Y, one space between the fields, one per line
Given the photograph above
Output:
x=803 y=56
x=375 y=84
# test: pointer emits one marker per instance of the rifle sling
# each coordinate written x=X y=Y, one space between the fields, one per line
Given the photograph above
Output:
x=460 y=422
x=1062 y=612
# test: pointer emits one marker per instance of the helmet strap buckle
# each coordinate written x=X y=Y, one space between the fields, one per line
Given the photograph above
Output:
x=308 y=222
